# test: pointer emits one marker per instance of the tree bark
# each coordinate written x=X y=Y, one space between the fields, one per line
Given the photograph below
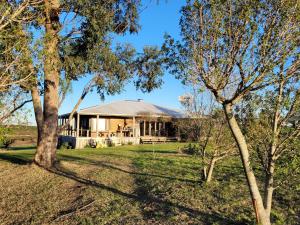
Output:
x=261 y=214
x=210 y=170
x=269 y=179
x=46 y=149
x=38 y=111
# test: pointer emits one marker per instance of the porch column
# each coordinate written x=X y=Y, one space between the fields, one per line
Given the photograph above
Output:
x=66 y=128
x=97 y=119
x=150 y=128
x=77 y=126
x=155 y=128
x=108 y=126
x=159 y=128
x=133 y=127
x=144 y=127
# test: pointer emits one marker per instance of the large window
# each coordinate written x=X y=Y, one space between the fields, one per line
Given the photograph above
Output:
x=101 y=124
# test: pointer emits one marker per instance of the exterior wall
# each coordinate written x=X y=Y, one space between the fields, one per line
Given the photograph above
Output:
x=82 y=142
x=114 y=122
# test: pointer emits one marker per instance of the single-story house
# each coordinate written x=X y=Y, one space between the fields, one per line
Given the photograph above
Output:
x=294 y=120
x=121 y=122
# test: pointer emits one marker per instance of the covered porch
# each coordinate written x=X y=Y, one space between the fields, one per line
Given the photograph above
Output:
x=103 y=126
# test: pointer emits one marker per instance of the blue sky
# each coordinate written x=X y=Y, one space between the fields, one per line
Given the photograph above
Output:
x=155 y=20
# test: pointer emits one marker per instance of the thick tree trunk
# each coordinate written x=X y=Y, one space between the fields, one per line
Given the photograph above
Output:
x=261 y=214
x=38 y=111
x=210 y=170
x=46 y=149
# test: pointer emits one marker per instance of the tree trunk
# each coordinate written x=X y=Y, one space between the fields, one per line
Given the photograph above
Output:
x=260 y=212
x=269 y=180
x=210 y=170
x=46 y=149
x=204 y=173
x=268 y=192
x=38 y=111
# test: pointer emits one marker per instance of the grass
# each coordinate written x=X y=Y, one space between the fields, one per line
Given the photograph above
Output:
x=145 y=184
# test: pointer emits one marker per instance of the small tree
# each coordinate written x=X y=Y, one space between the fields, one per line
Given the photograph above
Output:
x=216 y=143
x=238 y=47
x=207 y=126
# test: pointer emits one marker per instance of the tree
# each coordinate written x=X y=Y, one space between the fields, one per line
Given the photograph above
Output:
x=216 y=143
x=238 y=47
x=66 y=40
x=17 y=98
x=13 y=41
x=206 y=125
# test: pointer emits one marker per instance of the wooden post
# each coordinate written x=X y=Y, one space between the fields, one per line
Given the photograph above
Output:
x=97 y=119
x=159 y=128
x=108 y=126
x=155 y=129
x=77 y=126
x=133 y=127
x=150 y=128
x=66 y=127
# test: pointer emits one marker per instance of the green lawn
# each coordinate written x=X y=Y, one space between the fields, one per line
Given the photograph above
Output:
x=145 y=184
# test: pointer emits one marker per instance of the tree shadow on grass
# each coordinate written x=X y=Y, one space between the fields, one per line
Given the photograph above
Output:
x=155 y=151
x=144 y=198
x=16 y=159
x=111 y=166
x=22 y=148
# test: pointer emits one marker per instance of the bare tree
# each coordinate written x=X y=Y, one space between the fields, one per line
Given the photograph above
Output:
x=238 y=47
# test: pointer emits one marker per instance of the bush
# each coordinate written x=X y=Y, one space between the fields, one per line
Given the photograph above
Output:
x=65 y=145
x=6 y=141
x=191 y=149
x=111 y=144
x=130 y=143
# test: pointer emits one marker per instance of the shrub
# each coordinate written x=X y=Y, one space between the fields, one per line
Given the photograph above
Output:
x=111 y=144
x=65 y=145
x=100 y=145
x=191 y=149
x=130 y=143
x=6 y=141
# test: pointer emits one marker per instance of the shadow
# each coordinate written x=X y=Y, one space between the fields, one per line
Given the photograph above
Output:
x=22 y=148
x=110 y=166
x=155 y=151
x=143 y=197
x=16 y=159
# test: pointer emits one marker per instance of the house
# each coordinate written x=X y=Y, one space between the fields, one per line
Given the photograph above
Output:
x=294 y=120
x=121 y=122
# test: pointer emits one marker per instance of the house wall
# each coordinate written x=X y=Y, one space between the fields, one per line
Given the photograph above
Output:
x=82 y=142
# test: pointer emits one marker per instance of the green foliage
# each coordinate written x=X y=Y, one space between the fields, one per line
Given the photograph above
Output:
x=191 y=149
x=111 y=144
x=91 y=52
x=5 y=139
x=65 y=145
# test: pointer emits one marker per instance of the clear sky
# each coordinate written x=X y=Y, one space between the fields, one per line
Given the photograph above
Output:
x=155 y=20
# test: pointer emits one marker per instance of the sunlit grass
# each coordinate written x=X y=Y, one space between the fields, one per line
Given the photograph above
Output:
x=143 y=184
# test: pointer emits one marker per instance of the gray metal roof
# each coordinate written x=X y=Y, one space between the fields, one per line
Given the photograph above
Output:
x=131 y=108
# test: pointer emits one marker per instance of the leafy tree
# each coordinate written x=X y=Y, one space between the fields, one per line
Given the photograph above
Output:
x=66 y=40
x=238 y=47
